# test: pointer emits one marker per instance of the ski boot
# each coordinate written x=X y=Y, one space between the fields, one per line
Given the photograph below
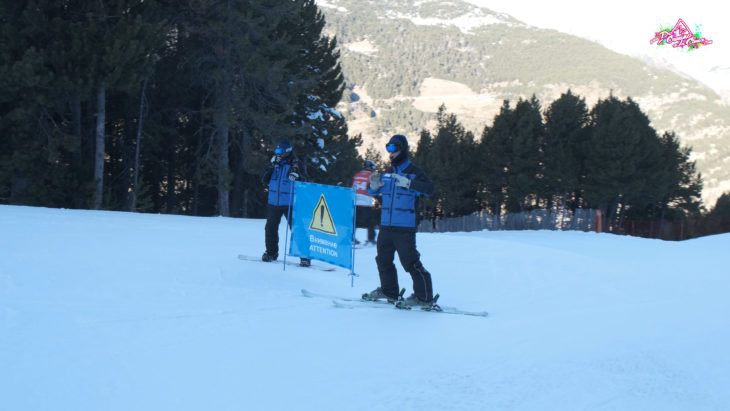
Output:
x=413 y=301
x=267 y=257
x=378 y=294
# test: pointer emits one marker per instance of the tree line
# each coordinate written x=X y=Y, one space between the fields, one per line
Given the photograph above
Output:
x=165 y=106
x=608 y=158
x=173 y=107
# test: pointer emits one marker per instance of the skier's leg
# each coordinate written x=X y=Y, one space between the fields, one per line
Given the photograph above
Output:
x=370 y=221
x=410 y=258
x=386 y=268
x=273 y=218
x=303 y=261
x=358 y=223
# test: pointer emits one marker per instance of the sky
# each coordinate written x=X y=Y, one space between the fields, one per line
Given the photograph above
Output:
x=628 y=26
x=122 y=311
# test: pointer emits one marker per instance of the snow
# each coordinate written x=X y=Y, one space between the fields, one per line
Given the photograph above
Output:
x=639 y=21
x=316 y=115
x=121 y=311
x=466 y=23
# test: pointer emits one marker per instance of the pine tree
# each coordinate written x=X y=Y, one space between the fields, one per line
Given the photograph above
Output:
x=239 y=53
x=58 y=56
x=423 y=149
x=451 y=164
x=623 y=161
x=496 y=152
x=566 y=121
x=320 y=129
x=525 y=172
x=718 y=219
x=683 y=184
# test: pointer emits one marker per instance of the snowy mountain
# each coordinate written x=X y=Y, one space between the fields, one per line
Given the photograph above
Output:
x=403 y=58
x=120 y=311
x=629 y=36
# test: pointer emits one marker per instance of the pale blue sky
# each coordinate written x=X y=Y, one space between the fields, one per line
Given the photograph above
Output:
x=628 y=26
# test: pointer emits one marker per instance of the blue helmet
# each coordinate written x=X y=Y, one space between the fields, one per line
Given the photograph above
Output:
x=283 y=146
x=397 y=143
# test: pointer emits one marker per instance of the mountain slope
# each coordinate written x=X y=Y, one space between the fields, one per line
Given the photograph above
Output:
x=122 y=311
x=403 y=58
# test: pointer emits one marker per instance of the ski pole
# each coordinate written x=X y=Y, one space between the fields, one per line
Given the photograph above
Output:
x=352 y=243
x=288 y=222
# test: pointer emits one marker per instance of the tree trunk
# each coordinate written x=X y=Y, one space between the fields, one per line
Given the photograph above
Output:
x=100 y=151
x=171 y=204
x=78 y=150
x=245 y=144
x=76 y=127
x=198 y=159
x=140 y=120
x=223 y=125
x=223 y=171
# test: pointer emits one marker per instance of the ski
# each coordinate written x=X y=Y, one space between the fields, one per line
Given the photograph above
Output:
x=339 y=303
x=403 y=305
x=310 y=294
x=349 y=302
x=291 y=263
x=368 y=304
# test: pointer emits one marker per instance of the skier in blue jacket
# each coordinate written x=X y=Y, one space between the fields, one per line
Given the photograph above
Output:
x=400 y=189
x=280 y=176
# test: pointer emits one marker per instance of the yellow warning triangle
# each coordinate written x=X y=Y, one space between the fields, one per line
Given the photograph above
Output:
x=322 y=219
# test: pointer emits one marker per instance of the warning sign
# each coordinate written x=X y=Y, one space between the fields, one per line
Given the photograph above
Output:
x=322 y=219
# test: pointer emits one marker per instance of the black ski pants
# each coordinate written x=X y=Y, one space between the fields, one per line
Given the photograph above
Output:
x=364 y=218
x=273 y=219
x=404 y=242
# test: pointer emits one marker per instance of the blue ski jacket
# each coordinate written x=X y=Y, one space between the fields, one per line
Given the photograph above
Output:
x=277 y=177
x=400 y=204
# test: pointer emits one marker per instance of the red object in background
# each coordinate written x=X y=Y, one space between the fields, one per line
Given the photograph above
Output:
x=360 y=184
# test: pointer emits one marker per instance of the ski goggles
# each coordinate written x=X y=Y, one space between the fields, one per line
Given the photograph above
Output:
x=280 y=150
x=392 y=147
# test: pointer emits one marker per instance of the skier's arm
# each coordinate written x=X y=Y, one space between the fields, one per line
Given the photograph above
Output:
x=422 y=183
x=375 y=184
x=266 y=175
x=303 y=171
x=298 y=171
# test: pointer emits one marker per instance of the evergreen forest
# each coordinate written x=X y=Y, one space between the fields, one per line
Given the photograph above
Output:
x=165 y=106
x=174 y=107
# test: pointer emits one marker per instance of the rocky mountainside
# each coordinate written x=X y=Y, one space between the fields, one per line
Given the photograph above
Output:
x=404 y=58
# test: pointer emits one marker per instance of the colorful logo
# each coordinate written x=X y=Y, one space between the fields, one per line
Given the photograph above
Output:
x=680 y=36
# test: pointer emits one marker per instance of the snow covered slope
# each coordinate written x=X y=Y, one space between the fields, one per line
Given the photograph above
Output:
x=120 y=311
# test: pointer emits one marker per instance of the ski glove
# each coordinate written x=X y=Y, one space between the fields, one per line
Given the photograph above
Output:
x=275 y=160
x=376 y=181
x=401 y=181
x=293 y=175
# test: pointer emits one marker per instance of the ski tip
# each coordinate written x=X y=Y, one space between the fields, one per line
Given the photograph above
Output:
x=340 y=305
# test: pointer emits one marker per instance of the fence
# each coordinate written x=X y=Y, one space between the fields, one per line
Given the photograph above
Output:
x=579 y=220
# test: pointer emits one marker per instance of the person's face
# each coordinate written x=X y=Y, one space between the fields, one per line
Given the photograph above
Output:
x=394 y=154
x=393 y=150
